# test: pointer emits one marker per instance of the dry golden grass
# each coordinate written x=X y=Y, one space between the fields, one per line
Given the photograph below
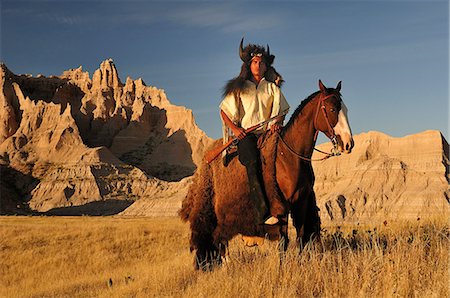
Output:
x=78 y=256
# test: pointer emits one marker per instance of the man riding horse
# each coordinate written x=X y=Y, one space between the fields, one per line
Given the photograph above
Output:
x=219 y=204
x=249 y=99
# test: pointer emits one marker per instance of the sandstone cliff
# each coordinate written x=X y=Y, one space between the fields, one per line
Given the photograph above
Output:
x=75 y=145
x=70 y=144
x=385 y=178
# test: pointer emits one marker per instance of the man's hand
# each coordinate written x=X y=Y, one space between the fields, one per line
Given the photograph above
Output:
x=239 y=132
x=276 y=127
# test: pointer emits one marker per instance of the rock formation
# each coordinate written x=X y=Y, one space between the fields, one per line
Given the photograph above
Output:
x=163 y=203
x=385 y=178
x=68 y=142
x=72 y=145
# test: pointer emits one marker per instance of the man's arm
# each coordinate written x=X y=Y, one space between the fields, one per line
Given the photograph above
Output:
x=239 y=132
x=277 y=125
x=279 y=104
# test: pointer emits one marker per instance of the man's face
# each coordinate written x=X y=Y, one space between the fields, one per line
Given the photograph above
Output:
x=258 y=67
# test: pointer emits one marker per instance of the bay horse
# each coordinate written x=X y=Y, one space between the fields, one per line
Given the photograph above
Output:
x=218 y=206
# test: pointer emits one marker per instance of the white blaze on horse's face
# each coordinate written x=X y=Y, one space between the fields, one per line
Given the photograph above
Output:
x=343 y=131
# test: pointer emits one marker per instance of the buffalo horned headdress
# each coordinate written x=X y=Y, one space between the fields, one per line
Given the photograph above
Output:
x=247 y=54
x=251 y=51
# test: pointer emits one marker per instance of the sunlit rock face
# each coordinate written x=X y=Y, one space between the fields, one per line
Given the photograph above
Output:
x=72 y=145
x=385 y=178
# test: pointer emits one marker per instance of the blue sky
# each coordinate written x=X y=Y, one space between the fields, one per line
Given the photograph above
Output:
x=392 y=56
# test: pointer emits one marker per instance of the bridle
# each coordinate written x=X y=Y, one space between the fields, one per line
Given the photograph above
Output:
x=329 y=133
x=321 y=107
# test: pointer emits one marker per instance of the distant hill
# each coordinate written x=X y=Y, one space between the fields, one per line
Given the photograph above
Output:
x=74 y=145
x=385 y=178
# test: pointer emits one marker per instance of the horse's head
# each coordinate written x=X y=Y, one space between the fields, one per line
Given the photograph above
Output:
x=331 y=117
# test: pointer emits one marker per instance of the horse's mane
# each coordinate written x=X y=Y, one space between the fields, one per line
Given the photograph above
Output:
x=299 y=109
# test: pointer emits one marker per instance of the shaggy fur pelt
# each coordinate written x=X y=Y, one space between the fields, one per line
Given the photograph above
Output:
x=218 y=205
x=268 y=147
x=198 y=208
x=237 y=84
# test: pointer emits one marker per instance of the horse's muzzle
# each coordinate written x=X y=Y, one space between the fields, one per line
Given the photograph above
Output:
x=345 y=143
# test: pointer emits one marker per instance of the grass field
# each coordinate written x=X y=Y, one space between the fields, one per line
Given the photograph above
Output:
x=143 y=257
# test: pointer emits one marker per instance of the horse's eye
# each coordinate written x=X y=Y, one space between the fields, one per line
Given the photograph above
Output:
x=332 y=110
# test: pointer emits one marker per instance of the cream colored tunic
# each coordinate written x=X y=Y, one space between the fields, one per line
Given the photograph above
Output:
x=259 y=103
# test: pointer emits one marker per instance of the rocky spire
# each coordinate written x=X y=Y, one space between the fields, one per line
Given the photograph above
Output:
x=78 y=77
x=106 y=76
x=9 y=113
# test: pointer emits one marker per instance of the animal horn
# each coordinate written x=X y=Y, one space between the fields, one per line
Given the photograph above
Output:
x=241 y=50
x=268 y=51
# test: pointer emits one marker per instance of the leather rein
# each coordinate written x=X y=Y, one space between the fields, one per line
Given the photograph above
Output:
x=329 y=133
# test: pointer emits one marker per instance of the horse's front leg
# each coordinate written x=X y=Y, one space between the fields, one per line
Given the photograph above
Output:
x=312 y=219
x=284 y=239
x=299 y=207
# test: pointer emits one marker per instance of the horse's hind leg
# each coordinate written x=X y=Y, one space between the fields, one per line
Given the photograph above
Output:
x=207 y=257
x=199 y=210
x=203 y=223
x=207 y=253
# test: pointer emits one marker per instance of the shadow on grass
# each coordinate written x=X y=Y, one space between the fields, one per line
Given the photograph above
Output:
x=99 y=208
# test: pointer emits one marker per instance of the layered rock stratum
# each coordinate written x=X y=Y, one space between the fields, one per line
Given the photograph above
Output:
x=385 y=178
x=74 y=145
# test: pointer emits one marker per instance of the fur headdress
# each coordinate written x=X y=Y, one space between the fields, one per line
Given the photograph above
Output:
x=236 y=84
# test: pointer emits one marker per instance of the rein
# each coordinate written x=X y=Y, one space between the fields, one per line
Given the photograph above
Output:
x=331 y=134
x=334 y=151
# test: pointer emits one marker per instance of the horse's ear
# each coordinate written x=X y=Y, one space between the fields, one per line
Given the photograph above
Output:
x=338 y=87
x=322 y=86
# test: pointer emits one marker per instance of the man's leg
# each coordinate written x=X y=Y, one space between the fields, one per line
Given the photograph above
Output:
x=249 y=157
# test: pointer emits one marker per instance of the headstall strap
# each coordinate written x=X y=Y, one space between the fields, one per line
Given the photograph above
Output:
x=327 y=155
x=331 y=135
